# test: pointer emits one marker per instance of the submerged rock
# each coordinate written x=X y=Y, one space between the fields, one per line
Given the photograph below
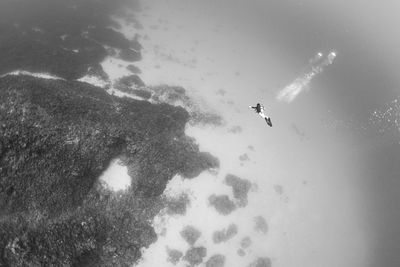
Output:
x=57 y=138
x=177 y=205
x=241 y=252
x=174 y=255
x=128 y=83
x=244 y=157
x=195 y=255
x=246 y=242
x=225 y=234
x=240 y=188
x=176 y=95
x=133 y=69
x=109 y=37
x=216 y=260
x=261 y=225
x=261 y=262
x=222 y=204
x=130 y=55
x=190 y=234
x=141 y=93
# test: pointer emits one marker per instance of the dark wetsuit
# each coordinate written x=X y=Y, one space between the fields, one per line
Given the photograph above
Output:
x=260 y=110
x=257 y=108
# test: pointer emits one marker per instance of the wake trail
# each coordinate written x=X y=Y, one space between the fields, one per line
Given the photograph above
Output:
x=300 y=84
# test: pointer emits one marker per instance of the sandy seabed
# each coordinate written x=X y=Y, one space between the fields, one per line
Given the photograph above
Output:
x=227 y=73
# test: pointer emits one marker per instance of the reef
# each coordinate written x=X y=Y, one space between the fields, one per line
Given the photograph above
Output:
x=216 y=260
x=260 y=225
x=133 y=69
x=195 y=255
x=245 y=242
x=59 y=135
x=177 y=205
x=174 y=255
x=57 y=138
x=225 y=234
x=244 y=157
x=128 y=81
x=261 y=262
x=240 y=252
x=177 y=96
x=63 y=38
x=130 y=55
x=240 y=188
x=190 y=234
x=222 y=203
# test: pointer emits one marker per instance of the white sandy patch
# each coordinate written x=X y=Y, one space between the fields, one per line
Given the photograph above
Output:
x=116 y=176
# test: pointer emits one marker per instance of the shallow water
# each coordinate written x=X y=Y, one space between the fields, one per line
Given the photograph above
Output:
x=323 y=150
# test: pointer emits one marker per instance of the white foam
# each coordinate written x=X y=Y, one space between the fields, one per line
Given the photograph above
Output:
x=34 y=74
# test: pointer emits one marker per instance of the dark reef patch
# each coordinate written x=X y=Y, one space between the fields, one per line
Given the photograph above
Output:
x=245 y=242
x=241 y=252
x=240 y=188
x=225 y=234
x=128 y=83
x=190 y=234
x=109 y=37
x=174 y=255
x=222 y=204
x=141 y=93
x=260 y=225
x=244 y=157
x=63 y=38
x=216 y=260
x=130 y=55
x=133 y=69
x=176 y=95
x=57 y=138
x=177 y=205
x=195 y=255
x=261 y=262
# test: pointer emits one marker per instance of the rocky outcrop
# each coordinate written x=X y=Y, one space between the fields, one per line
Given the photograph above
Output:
x=57 y=138
x=261 y=262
